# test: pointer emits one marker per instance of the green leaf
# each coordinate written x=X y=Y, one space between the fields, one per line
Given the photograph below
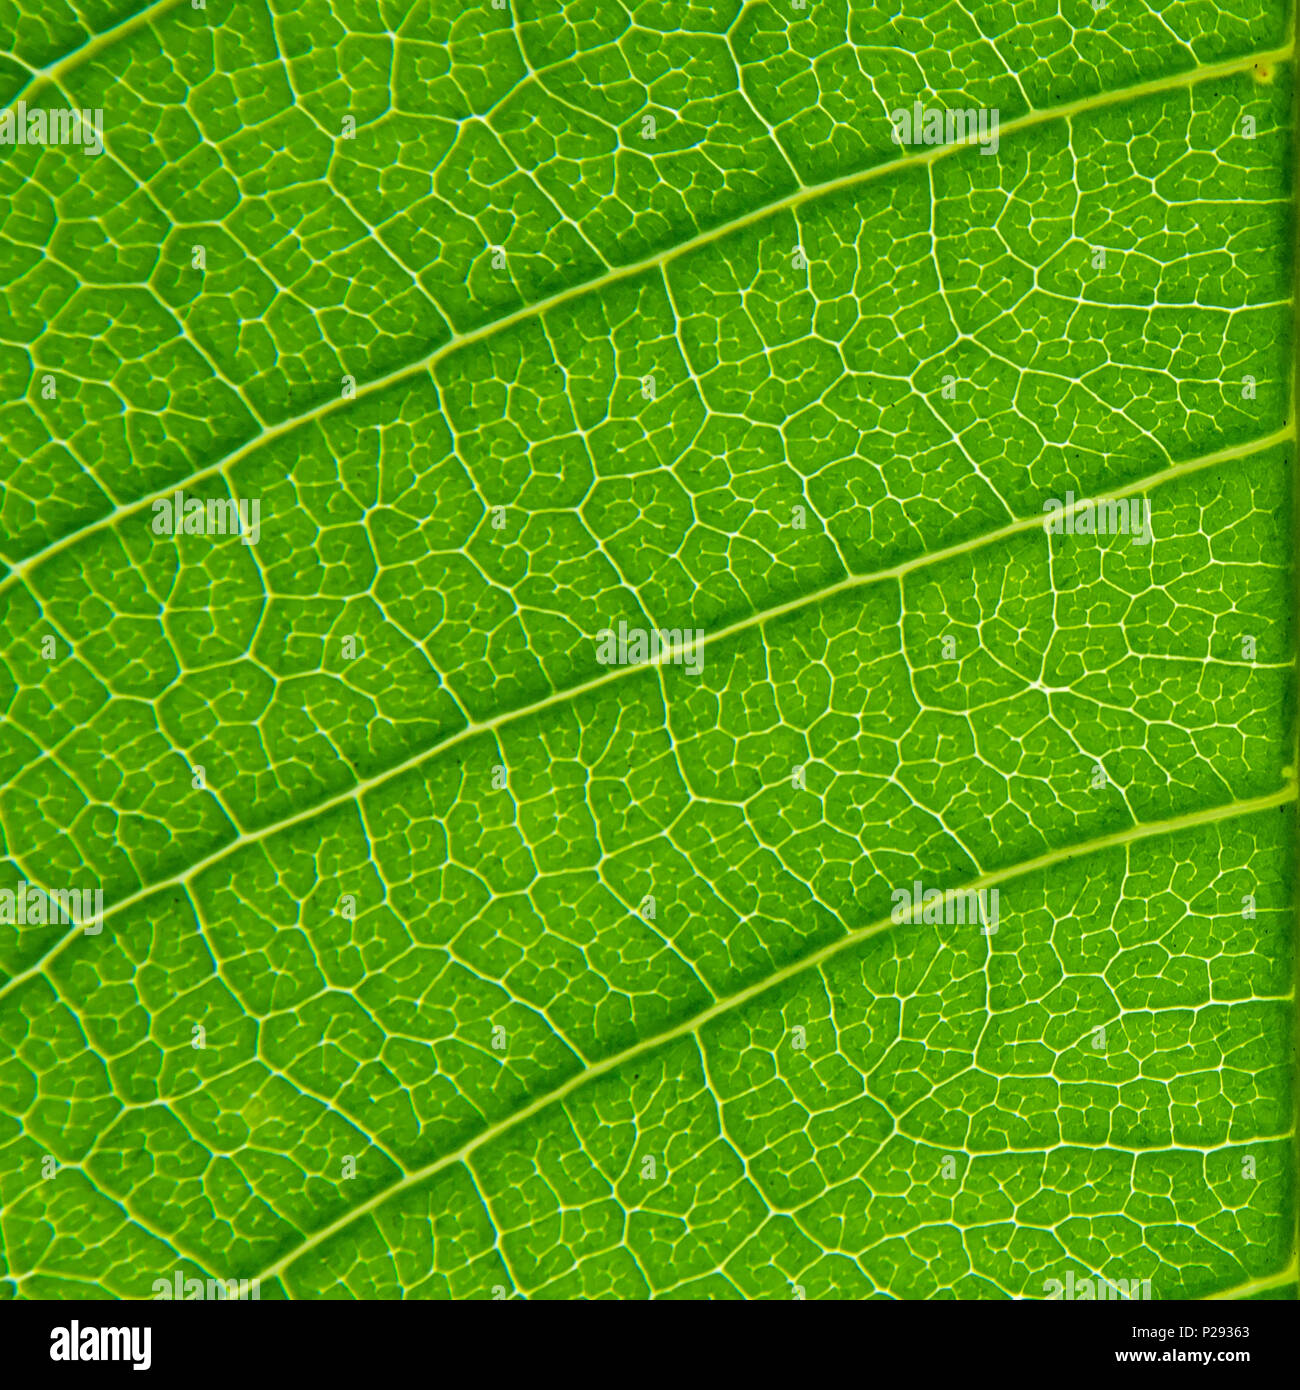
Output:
x=442 y=956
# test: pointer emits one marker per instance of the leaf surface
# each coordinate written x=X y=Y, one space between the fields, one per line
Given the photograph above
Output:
x=625 y=1007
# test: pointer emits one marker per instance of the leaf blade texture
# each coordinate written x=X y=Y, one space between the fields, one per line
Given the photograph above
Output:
x=441 y=958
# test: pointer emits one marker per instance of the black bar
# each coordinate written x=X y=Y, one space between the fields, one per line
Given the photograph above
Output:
x=1004 y=1341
